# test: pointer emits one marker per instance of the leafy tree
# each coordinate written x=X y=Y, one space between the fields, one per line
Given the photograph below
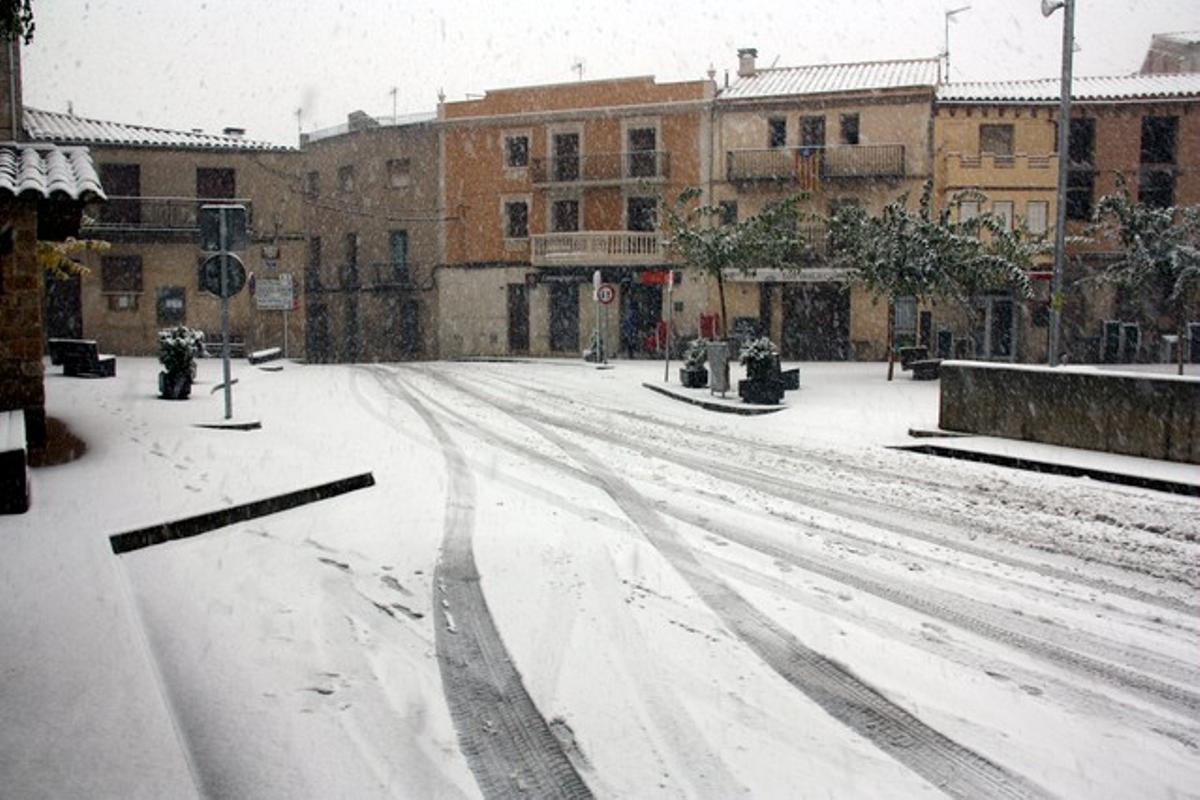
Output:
x=769 y=240
x=1159 y=251
x=926 y=256
x=16 y=20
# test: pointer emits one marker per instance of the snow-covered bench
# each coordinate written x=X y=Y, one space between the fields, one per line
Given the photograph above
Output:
x=926 y=369
x=82 y=357
x=14 y=474
x=263 y=356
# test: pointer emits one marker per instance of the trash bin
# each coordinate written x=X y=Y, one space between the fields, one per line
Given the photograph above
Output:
x=718 y=367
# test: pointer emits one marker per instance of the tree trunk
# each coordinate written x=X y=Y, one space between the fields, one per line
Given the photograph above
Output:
x=1179 y=327
x=721 y=292
x=891 y=337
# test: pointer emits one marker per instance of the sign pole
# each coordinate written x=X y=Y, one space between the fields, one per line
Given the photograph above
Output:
x=225 y=317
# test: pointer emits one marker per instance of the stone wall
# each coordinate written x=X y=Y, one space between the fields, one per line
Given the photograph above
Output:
x=21 y=316
x=1128 y=413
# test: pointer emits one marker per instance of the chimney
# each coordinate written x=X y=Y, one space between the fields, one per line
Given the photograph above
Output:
x=746 y=56
x=236 y=133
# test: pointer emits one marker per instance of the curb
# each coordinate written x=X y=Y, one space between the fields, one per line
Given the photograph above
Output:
x=745 y=411
x=1066 y=470
x=203 y=523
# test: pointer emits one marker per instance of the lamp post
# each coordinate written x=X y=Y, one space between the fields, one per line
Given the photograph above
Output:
x=1060 y=197
x=946 y=42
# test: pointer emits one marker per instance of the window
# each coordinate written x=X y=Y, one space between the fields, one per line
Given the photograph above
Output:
x=812 y=131
x=170 y=308
x=564 y=216
x=968 y=210
x=1081 y=142
x=1081 y=186
x=312 y=272
x=642 y=145
x=216 y=183
x=121 y=181
x=516 y=219
x=345 y=179
x=566 y=156
x=312 y=185
x=906 y=317
x=777 y=132
x=729 y=212
x=996 y=139
x=121 y=274
x=849 y=126
x=1004 y=210
x=398 y=250
x=516 y=151
x=1158 y=139
x=641 y=214
x=1156 y=188
x=1037 y=213
x=350 y=267
x=398 y=171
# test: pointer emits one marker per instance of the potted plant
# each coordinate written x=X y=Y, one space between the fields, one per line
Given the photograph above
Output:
x=763 y=384
x=177 y=353
x=693 y=374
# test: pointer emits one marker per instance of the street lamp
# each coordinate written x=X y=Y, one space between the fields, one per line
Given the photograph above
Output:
x=946 y=44
x=1060 y=198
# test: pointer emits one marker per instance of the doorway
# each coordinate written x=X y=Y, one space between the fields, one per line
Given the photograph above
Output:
x=64 y=308
x=995 y=330
x=641 y=311
x=564 y=317
x=816 y=322
x=518 y=318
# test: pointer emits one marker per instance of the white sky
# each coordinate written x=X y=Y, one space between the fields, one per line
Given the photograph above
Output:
x=218 y=63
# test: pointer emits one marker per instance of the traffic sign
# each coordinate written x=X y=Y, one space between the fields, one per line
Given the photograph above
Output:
x=208 y=219
x=606 y=293
x=210 y=275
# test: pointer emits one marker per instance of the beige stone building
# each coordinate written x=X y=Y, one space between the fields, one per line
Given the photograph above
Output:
x=834 y=134
x=373 y=215
x=148 y=279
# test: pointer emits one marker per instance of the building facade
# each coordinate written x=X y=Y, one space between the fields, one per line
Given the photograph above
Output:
x=546 y=186
x=149 y=277
x=373 y=216
x=832 y=134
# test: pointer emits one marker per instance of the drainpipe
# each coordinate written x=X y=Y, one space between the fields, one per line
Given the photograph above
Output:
x=12 y=92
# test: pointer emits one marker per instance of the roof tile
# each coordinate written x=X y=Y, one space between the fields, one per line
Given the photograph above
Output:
x=831 y=78
x=1083 y=89
x=49 y=171
x=51 y=126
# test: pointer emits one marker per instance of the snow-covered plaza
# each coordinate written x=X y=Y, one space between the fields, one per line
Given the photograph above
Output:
x=564 y=584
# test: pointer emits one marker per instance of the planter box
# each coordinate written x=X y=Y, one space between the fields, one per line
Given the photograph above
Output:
x=761 y=392
x=693 y=377
x=174 y=387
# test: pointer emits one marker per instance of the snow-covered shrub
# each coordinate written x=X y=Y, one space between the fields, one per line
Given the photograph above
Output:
x=761 y=351
x=177 y=350
x=696 y=355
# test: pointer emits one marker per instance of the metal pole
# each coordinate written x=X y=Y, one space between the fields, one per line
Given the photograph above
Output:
x=1060 y=216
x=670 y=324
x=285 y=327
x=225 y=315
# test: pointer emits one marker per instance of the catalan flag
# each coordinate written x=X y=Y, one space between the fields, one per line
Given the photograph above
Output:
x=807 y=168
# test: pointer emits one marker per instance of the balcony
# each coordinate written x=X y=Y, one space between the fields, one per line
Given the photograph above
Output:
x=991 y=171
x=598 y=248
x=809 y=165
x=134 y=219
x=601 y=169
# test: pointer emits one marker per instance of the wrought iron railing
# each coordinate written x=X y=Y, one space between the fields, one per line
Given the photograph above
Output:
x=147 y=215
x=601 y=167
x=810 y=164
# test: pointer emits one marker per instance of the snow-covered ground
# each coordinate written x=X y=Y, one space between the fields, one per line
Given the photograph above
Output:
x=564 y=580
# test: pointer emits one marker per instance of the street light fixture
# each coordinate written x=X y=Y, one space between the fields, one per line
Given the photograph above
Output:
x=946 y=43
x=1060 y=198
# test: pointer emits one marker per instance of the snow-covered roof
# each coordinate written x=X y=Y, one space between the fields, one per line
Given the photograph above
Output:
x=52 y=126
x=1083 y=89
x=389 y=121
x=831 y=78
x=49 y=171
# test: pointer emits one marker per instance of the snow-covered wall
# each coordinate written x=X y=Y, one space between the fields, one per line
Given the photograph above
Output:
x=1127 y=413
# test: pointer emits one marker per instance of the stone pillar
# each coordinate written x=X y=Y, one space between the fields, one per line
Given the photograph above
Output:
x=21 y=326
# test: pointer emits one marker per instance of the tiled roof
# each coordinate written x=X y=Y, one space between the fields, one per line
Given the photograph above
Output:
x=1083 y=89
x=51 y=126
x=48 y=171
x=389 y=121
x=829 y=78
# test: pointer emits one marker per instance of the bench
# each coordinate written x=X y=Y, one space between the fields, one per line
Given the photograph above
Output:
x=263 y=356
x=926 y=369
x=81 y=358
x=212 y=345
x=791 y=379
x=14 y=474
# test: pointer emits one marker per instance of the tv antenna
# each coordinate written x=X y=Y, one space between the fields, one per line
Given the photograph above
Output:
x=577 y=68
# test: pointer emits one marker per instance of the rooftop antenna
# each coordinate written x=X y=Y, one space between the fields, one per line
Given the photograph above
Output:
x=393 y=93
x=577 y=67
x=950 y=14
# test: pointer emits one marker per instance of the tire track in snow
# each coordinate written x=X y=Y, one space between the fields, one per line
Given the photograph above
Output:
x=854 y=507
x=507 y=742
x=953 y=768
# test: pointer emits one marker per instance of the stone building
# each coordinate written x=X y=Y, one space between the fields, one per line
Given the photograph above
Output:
x=834 y=134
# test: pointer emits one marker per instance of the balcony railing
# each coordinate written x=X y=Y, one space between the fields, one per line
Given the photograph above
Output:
x=148 y=217
x=640 y=165
x=595 y=248
x=811 y=164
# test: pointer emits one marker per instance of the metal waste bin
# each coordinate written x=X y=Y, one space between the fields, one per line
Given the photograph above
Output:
x=718 y=367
